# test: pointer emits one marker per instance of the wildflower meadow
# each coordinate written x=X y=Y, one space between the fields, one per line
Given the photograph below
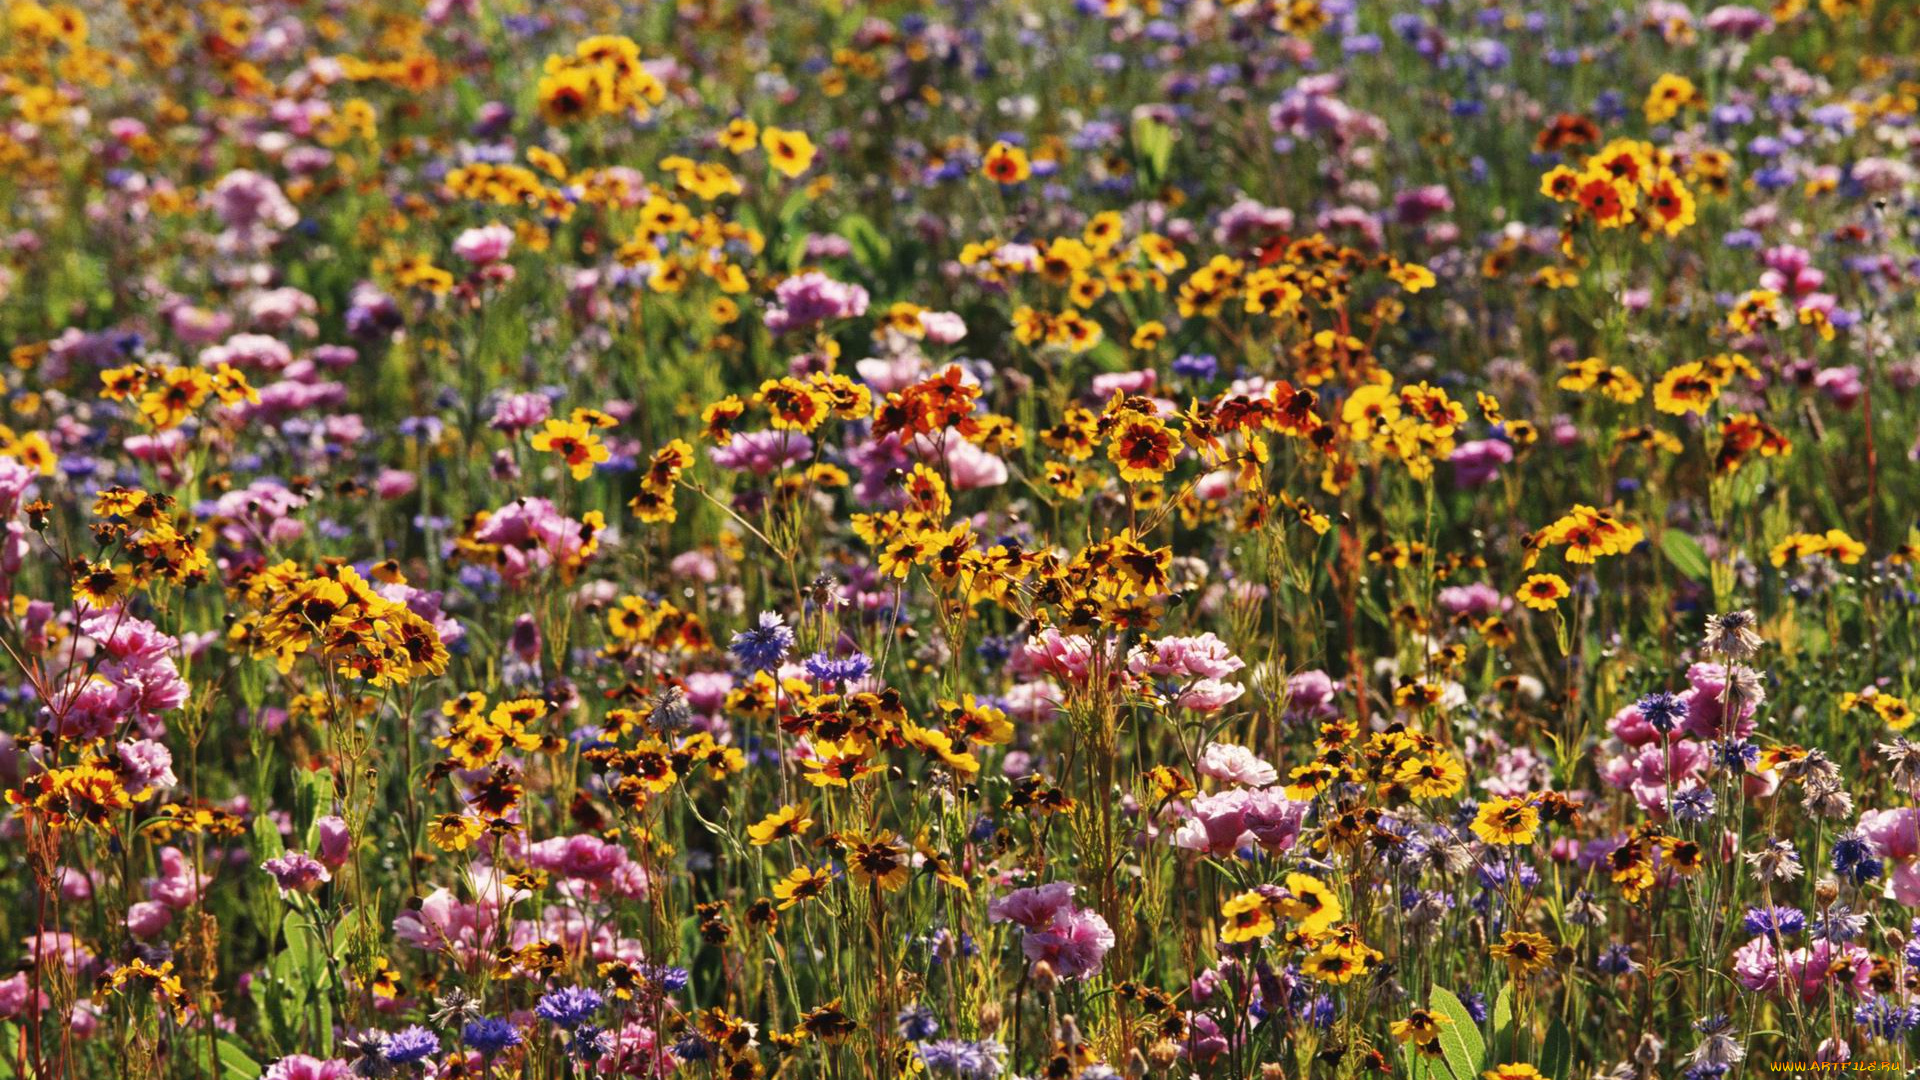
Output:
x=966 y=539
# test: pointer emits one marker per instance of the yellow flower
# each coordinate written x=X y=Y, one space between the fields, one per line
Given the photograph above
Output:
x=790 y=152
x=1411 y=276
x=1421 y=1026
x=1525 y=952
x=802 y=884
x=574 y=442
x=1438 y=777
x=1669 y=95
x=455 y=832
x=1006 y=164
x=1143 y=448
x=739 y=135
x=788 y=821
x=1506 y=821
x=1311 y=904
x=1543 y=592
x=1247 y=918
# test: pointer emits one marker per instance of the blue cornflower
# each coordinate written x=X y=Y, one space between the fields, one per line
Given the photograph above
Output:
x=1476 y=1006
x=916 y=1023
x=669 y=979
x=1693 y=806
x=569 y=1007
x=410 y=1045
x=765 y=646
x=692 y=1047
x=846 y=669
x=1782 y=920
x=1885 y=1019
x=588 y=1044
x=977 y=1060
x=1202 y=367
x=1839 y=925
x=1853 y=859
x=1616 y=960
x=1735 y=755
x=489 y=1036
x=1661 y=710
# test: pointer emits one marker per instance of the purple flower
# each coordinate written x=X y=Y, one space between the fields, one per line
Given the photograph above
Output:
x=810 y=298
x=764 y=647
x=411 y=1045
x=297 y=872
x=569 y=1007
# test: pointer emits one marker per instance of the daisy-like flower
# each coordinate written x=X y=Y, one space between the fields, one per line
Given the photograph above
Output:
x=1732 y=635
x=1543 y=592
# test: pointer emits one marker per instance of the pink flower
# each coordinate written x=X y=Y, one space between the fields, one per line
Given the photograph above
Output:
x=178 y=885
x=1848 y=967
x=303 y=1067
x=17 y=997
x=520 y=412
x=487 y=244
x=297 y=872
x=1034 y=702
x=1216 y=824
x=1205 y=656
x=1236 y=765
x=394 y=484
x=1892 y=834
x=336 y=842
x=762 y=452
x=1033 y=908
x=1209 y=695
x=1707 y=705
x=583 y=857
x=1124 y=382
x=943 y=327
x=969 y=467
x=1273 y=819
x=146 y=919
x=1310 y=695
x=1068 y=657
x=1757 y=965
x=1075 y=945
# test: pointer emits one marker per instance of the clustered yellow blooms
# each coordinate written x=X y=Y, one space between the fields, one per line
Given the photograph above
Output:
x=1415 y=425
x=1587 y=534
x=654 y=504
x=603 y=77
x=1891 y=709
x=1694 y=386
x=1628 y=181
x=1833 y=544
x=477 y=736
x=167 y=396
x=1616 y=383
x=143 y=528
x=90 y=793
x=1080 y=272
x=845 y=734
x=336 y=614
x=1336 y=952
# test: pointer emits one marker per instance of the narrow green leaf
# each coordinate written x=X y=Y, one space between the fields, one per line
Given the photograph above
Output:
x=1685 y=553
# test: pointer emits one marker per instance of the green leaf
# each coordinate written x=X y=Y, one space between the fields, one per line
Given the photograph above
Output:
x=234 y=1062
x=870 y=246
x=1685 y=553
x=1503 y=1022
x=1460 y=1043
x=1556 y=1057
x=1153 y=144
